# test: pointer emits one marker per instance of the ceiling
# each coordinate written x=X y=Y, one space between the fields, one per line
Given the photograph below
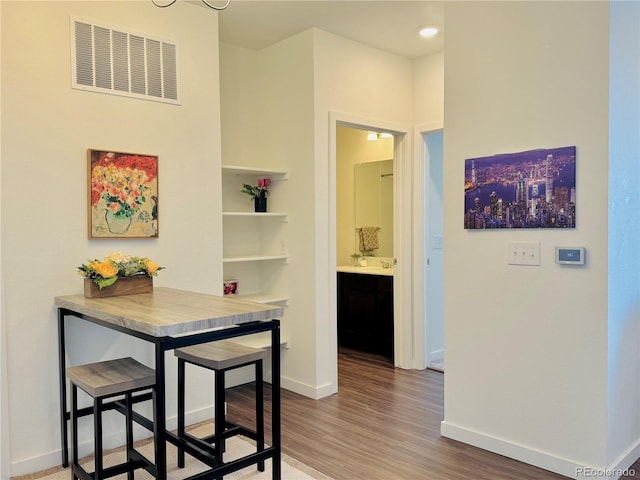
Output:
x=390 y=25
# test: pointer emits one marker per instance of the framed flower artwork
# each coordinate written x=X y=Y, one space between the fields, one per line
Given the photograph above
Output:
x=123 y=195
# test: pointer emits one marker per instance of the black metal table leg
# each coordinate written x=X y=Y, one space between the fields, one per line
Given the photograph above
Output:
x=276 y=404
x=63 y=389
x=181 y=409
x=159 y=415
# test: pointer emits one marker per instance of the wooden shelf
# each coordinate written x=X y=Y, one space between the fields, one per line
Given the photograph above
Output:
x=239 y=221
x=266 y=299
x=254 y=258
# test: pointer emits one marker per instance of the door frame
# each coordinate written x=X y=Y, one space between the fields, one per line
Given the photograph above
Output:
x=402 y=223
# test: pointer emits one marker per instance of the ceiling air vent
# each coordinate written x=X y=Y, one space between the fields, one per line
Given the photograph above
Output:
x=107 y=59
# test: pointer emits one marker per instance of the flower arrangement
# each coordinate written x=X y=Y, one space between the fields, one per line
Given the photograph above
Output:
x=122 y=182
x=115 y=265
x=261 y=190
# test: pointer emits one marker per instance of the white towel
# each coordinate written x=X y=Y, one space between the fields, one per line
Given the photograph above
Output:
x=369 y=238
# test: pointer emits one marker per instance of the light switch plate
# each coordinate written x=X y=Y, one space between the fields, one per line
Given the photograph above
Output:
x=524 y=253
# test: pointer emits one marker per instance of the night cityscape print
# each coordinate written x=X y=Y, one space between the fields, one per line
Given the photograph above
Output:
x=532 y=189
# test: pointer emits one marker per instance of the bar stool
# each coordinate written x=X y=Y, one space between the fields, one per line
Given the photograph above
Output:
x=221 y=356
x=102 y=380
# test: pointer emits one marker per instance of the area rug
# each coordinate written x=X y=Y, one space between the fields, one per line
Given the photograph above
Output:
x=235 y=447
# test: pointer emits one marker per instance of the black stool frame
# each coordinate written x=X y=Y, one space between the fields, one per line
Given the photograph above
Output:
x=222 y=428
x=161 y=434
x=135 y=460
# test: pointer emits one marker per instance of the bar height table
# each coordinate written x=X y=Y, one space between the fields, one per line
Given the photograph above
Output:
x=171 y=318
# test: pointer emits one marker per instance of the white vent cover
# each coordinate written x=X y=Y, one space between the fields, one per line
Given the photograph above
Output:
x=107 y=59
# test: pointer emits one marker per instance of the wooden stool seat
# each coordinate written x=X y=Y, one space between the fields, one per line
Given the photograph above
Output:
x=222 y=356
x=101 y=380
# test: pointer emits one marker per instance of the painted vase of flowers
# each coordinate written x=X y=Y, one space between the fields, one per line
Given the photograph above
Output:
x=124 y=187
x=258 y=193
x=117 y=224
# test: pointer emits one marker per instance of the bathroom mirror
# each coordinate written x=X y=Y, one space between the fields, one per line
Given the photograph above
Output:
x=374 y=201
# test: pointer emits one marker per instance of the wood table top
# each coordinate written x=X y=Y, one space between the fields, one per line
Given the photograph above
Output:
x=169 y=311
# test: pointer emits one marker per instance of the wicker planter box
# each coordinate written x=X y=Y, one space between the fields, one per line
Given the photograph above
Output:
x=123 y=286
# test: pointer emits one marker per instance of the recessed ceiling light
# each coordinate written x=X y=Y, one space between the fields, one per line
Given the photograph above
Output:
x=428 y=31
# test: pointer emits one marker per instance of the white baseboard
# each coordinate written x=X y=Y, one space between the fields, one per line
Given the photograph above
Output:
x=524 y=454
x=436 y=355
x=306 y=390
x=538 y=458
x=626 y=460
x=54 y=458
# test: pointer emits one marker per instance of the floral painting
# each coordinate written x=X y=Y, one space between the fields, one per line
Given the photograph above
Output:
x=123 y=195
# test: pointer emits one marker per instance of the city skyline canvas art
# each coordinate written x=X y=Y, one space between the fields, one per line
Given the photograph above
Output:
x=529 y=189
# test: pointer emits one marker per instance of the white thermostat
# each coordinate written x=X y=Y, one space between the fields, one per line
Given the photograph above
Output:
x=570 y=255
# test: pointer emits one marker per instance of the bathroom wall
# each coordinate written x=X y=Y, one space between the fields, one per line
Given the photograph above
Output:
x=352 y=148
x=374 y=204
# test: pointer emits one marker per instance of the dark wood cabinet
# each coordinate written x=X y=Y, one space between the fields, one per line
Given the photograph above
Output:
x=365 y=312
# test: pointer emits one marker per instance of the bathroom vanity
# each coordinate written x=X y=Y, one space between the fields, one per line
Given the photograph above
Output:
x=365 y=309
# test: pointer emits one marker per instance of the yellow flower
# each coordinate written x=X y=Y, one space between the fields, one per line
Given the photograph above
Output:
x=152 y=267
x=105 y=269
x=115 y=265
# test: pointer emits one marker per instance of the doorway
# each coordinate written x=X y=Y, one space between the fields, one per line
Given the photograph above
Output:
x=403 y=331
x=432 y=208
x=364 y=240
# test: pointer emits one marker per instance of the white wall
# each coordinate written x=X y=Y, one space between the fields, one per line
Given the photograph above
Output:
x=47 y=128
x=428 y=115
x=356 y=82
x=428 y=91
x=285 y=110
x=298 y=82
x=242 y=128
x=5 y=451
x=624 y=235
x=267 y=101
x=527 y=347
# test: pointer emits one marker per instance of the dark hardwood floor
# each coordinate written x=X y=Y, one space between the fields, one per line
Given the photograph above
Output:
x=383 y=424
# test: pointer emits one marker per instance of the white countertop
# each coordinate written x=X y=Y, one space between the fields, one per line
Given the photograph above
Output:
x=373 y=270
